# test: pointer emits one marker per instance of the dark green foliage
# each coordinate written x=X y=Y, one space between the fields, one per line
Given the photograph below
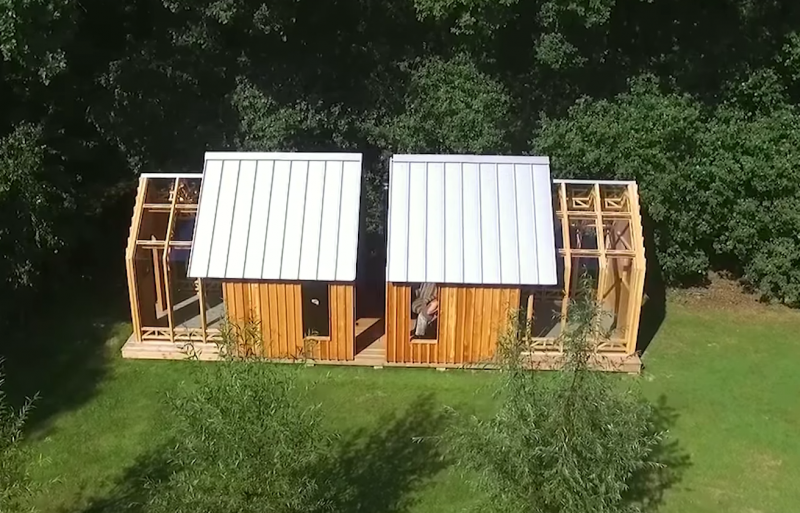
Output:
x=94 y=92
x=29 y=205
x=13 y=461
x=722 y=185
x=451 y=107
x=568 y=442
x=243 y=442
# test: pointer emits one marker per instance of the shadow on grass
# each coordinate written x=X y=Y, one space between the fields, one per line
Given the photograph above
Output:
x=378 y=470
x=648 y=487
x=59 y=347
x=373 y=470
x=654 y=309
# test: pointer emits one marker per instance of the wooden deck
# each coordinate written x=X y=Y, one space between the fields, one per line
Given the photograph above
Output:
x=372 y=355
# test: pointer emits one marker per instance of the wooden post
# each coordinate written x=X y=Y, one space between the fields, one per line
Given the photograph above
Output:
x=201 y=296
x=157 y=275
x=639 y=268
x=567 y=257
x=529 y=308
x=167 y=281
x=601 y=245
x=130 y=255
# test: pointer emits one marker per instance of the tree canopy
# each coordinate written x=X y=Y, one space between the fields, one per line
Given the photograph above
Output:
x=695 y=100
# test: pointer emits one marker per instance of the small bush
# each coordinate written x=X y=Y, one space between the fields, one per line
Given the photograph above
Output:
x=13 y=474
x=565 y=442
x=244 y=443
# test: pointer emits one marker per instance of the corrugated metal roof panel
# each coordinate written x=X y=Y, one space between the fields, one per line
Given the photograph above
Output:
x=280 y=216
x=471 y=219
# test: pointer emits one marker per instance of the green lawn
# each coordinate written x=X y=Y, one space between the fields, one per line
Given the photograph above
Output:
x=727 y=379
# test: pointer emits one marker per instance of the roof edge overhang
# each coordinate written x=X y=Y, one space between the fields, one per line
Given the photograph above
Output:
x=188 y=174
x=471 y=158
x=304 y=156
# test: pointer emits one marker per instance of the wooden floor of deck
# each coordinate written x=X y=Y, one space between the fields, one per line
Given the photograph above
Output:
x=371 y=355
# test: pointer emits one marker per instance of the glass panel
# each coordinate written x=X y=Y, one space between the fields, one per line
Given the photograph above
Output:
x=215 y=306
x=316 y=309
x=616 y=296
x=149 y=276
x=617 y=234
x=183 y=291
x=582 y=234
x=580 y=198
x=188 y=191
x=184 y=226
x=615 y=198
x=153 y=226
x=584 y=269
x=159 y=190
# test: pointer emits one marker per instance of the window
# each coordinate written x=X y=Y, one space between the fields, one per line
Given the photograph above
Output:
x=424 y=311
x=541 y=308
x=316 y=310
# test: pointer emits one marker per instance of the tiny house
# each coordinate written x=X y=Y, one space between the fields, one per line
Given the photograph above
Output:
x=494 y=234
x=271 y=241
x=261 y=239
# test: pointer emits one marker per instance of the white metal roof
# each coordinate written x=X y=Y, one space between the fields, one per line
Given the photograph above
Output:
x=278 y=216
x=471 y=219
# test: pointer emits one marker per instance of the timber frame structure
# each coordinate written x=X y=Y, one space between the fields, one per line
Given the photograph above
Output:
x=598 y=232
x=597 y=229
x=601 y=235
x=176 y=310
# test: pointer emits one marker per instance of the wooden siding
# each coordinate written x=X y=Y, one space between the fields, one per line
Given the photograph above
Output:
x=277 y=308
x=470 y=320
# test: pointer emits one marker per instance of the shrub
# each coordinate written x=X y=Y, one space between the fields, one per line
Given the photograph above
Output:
x=13 y=474
x=565 y=442
x=244 y=443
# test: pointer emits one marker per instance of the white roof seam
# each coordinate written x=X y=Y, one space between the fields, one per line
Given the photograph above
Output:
x=321 y=216
x=269 y=212
x=233 y=217
x=338 y=228
x=303 y=220
x=213 y=223
x=250 y=217
x=499 y=224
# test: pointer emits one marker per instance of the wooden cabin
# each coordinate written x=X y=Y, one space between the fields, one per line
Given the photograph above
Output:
x=259 y=239
x=495 y=234
x=270 y=240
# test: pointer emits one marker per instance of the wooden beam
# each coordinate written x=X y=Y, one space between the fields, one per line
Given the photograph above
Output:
x=562 y=193
x=158 y=244
x=596 y=252
x=637 y=232
x=636 y=295
x=167 y=279
x=601 y=243
x=157 y=274
x=201 y=295
x=130 y=255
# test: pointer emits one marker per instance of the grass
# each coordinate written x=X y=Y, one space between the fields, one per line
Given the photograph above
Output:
x=727 y=379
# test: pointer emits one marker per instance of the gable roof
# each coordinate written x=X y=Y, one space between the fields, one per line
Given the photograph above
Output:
x=471 y=219
x=278 y=216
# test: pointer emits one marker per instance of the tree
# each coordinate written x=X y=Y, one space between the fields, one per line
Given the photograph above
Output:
x=451 y=106
x=722 y=184
x=568 y=443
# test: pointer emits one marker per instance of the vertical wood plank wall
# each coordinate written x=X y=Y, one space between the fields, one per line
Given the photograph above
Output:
x=470 y=320
x=277 y=307
x=341 y=345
